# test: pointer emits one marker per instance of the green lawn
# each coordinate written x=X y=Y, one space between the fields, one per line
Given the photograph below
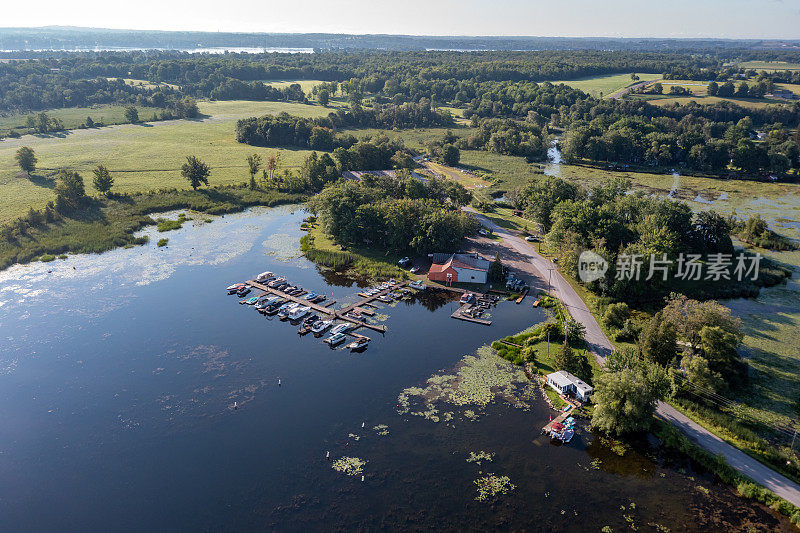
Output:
x=143 y=157
x=608 y=84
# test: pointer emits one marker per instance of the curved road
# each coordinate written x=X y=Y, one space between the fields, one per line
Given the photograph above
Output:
x=544 y=275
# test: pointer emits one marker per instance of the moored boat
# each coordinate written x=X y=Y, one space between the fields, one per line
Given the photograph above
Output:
x=335 y=339
x=298 y=312
x=321 y=326
x=341 y=328
x=265 y=276
x=233 y=289
x=359 y=344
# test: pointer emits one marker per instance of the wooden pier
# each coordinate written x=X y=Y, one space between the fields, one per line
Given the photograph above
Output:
x=324 y=308
x=460 y=314
x=559 y=419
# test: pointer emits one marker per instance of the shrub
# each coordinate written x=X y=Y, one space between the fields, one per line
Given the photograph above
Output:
x=46 y=258
x=162 y=242
x=616 y=315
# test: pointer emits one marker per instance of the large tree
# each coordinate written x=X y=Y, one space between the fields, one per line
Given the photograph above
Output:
x=26 y=159
x=626 y=394
x=195 y=171
x=323 y=97
x=103 y=181
x=69 y=189
x=657 y=340
x=131 y=114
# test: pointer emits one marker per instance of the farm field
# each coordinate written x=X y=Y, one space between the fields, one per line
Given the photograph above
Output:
x=606 y=84
x=143 y=156
x=306 y=85
x=73 y=117
x=769 y=65
x=744 y=102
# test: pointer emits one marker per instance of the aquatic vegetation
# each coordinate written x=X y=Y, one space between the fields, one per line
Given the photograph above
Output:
x=479 y=457
x=354 y=436
x=471 y=415
x=282 y=246
x=478 y=380
x=491 y=485
x=351 y=466
x=169 y=225
x=615 y=445
x=381 y=429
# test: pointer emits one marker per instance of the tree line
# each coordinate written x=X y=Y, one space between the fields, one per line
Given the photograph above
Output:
x=318 y=133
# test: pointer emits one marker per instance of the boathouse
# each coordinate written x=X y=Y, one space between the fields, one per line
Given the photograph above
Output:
x=568 y=385
x=459 y=268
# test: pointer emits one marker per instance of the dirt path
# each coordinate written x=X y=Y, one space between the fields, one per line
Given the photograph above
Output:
x=522 y=256
x=629 y=88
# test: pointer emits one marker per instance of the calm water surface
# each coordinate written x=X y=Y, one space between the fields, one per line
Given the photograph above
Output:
x=119 y=372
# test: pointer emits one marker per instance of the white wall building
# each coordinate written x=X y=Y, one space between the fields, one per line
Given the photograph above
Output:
x=567 y=384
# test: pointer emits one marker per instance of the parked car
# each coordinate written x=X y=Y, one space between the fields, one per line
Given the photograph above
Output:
x=404 y=261
x=532 y=238
x=414 y=270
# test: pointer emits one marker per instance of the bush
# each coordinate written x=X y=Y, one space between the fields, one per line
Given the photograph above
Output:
x=616 y=315
x=46 y=258
x=162 y=242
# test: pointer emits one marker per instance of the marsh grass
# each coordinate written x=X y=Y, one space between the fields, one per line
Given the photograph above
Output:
x=107 y=223
x=319 y=249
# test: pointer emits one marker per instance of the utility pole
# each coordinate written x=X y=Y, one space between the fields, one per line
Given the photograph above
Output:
x=548 y=346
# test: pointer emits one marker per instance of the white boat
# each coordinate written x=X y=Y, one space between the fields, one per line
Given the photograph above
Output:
x=340 y=328
x=287 y=308
x=321 y=326
x=264 y=276
x=359 y=343
x=336 y=338
x=299 y=312
x=417 y=285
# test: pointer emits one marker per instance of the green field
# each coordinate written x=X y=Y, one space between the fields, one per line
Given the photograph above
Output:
x=769 y=65
x=744 y=102
x=73 y=117
x=505 y=171
x=142 y=157
x=306 y=85
x=606 y=84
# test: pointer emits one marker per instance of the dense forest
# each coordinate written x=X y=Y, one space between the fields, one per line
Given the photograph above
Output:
x=433 y=75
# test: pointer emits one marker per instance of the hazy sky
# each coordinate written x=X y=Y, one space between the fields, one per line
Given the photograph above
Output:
x=623 y=18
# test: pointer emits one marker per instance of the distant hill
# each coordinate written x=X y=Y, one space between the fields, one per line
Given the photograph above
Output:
x=75 y=38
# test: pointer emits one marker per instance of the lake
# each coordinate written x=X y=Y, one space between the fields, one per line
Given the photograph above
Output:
x=119 y=374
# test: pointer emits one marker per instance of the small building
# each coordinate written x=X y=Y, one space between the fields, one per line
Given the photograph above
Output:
x=459 y=268
x=784 y=94
x=568 y=385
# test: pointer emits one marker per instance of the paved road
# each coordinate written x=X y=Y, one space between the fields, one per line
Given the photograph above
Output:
x=543 y=276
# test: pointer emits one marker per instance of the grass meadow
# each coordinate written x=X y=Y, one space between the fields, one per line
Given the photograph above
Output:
x=144 y=156
x=73 y=117
x=606 y=84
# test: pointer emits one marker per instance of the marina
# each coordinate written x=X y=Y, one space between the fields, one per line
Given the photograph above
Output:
x=351 y=313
